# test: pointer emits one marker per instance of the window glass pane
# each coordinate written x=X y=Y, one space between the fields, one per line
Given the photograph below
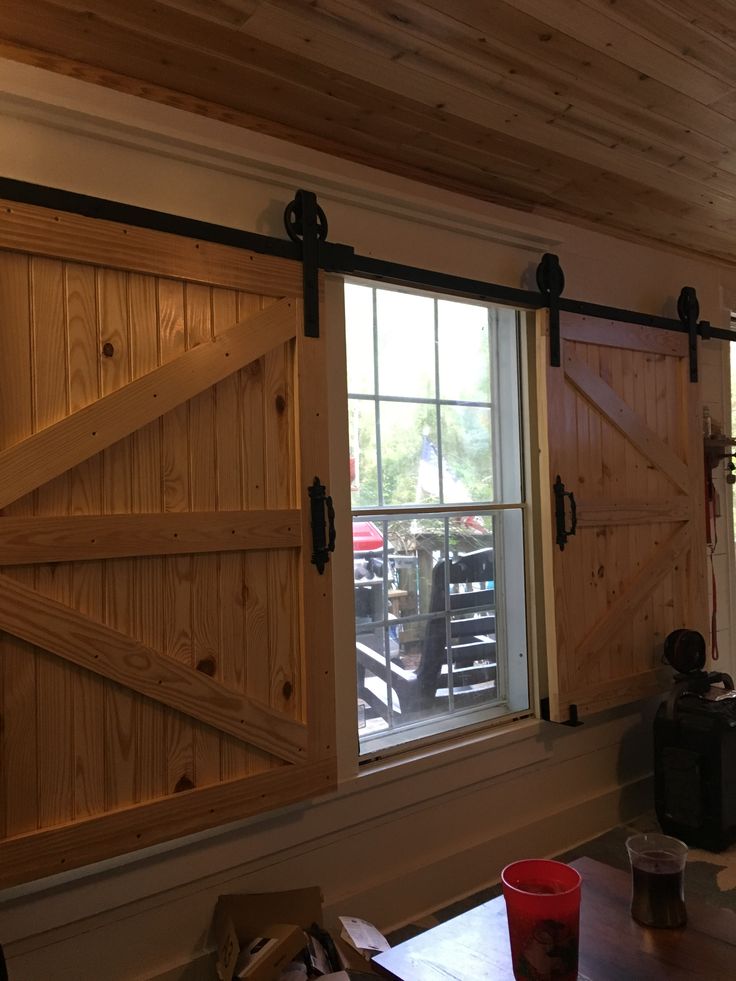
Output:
x=512 y=609
x=370 y=603
x=472 y=666
x=406 y=476
x=440 y=606
x=428 y=468
x=363 y=458
x=467 y=454
x=359 y=339
x=406 y=345
x=421 y=583
x=464 y=352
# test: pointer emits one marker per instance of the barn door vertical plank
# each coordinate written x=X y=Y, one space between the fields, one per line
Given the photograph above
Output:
x=177 y=608
x=634 y=545
x=205 y=603
x=679 y=438
x=663 y=597
x=253 y=453
x=667 y=411
x=571 y=558
x=231 y=628
x=563 y=463
x=638 y=479
x=18 y=660
x=86 y=577
x=317 y=649
x=551 y=382
x=147 y=499
x=614 y=456
x=659 y=605
x=623 y=465
x=583 y=539
x=120 y=705
x=697 y=572
x=284 y=665
x=593 y=490
x=678 y=382
x=54 y=679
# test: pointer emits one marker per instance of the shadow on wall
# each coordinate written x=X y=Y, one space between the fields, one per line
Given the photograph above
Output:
x=636 y=761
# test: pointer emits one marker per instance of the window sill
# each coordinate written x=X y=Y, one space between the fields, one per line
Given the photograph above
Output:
x=400 y=765
x=457 y=764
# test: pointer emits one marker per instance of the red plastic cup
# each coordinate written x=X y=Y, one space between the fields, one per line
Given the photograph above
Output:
x=543 y=910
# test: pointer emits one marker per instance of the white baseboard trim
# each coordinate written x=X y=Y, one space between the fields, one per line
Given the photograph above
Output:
x=392 y=902
x=201 y=969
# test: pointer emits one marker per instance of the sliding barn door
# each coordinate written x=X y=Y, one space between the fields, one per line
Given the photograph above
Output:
x=166 y=648
x=625 y=438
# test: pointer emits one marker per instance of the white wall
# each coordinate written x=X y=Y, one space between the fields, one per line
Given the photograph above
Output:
x=397 y=839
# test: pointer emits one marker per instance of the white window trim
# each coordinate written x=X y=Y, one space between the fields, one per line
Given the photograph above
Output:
x=513 y=609
x=435 y=748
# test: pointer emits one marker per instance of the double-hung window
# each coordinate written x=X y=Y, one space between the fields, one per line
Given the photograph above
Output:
x=438 y=513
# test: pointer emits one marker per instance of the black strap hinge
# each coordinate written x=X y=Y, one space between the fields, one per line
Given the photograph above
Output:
x=688 y=309
x=551 y=283
x=306 y=222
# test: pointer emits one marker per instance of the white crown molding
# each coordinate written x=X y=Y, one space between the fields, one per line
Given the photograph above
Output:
x=33 y=95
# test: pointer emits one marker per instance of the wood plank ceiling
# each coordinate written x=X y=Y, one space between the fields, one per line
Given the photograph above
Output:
x=620 y=113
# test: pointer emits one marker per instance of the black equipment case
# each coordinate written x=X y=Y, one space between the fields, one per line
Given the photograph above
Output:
x=695 y=749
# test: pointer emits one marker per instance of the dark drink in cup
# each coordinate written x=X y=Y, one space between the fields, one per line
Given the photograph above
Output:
x=658 y=895
x=657 y=880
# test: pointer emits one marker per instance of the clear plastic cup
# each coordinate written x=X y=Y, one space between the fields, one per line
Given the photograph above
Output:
x=657 y=880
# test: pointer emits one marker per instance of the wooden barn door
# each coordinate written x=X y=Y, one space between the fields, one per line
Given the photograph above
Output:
x=625 y=437
x=166 y=654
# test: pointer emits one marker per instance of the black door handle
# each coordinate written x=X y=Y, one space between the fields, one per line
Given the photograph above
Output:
x=563 y=532
x=323 y=532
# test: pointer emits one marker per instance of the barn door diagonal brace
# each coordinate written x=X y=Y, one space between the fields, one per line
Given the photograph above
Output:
x=323 y=524
x=306 y=224
x=551 y=283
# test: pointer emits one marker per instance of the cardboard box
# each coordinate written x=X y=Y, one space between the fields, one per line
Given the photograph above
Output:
x=240 y=919
x=266 y=956
x=350 y=959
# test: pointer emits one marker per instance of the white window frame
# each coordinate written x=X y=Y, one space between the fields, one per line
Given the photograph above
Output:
x=518 y=684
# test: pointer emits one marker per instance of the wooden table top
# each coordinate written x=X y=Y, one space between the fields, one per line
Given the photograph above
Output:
x=475 y=946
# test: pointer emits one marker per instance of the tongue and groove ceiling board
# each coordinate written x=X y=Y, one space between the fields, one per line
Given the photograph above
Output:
x=616 y=113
